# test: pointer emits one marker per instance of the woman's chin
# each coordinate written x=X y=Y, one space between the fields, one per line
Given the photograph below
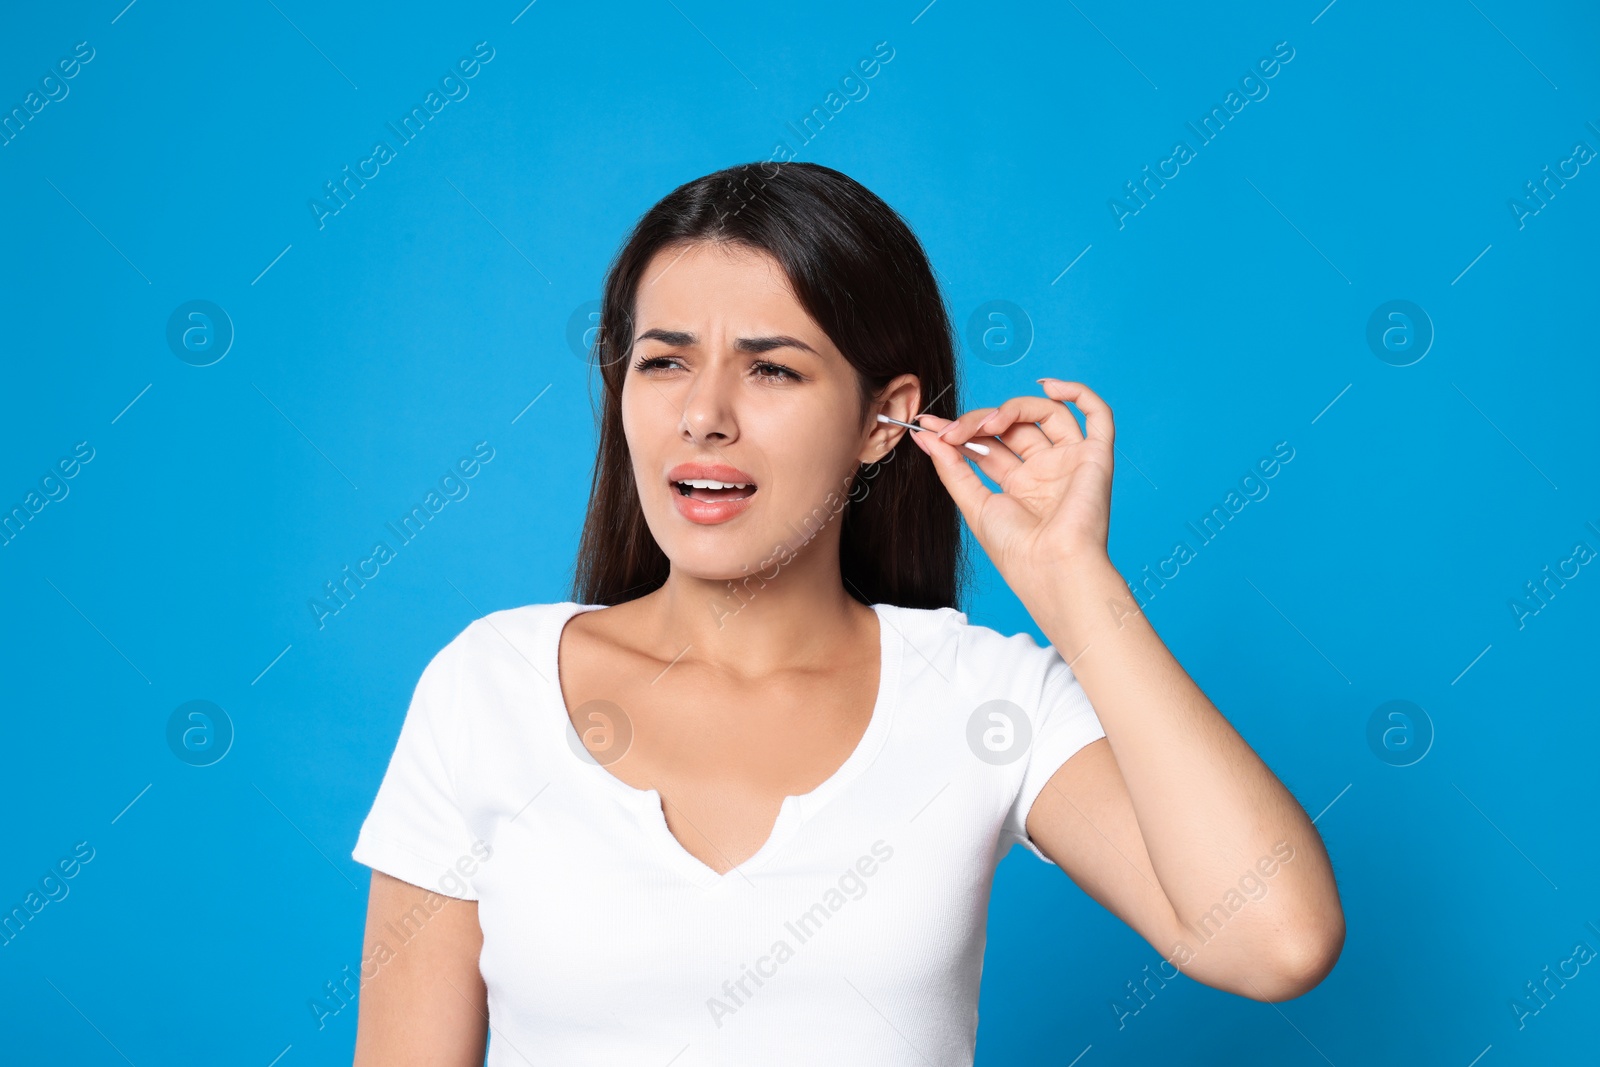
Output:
x=715 y=566
x=733 y=551
x=741 y=559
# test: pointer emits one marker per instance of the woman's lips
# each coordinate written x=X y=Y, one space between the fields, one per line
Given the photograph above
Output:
x=709 y=512
x=728 y=494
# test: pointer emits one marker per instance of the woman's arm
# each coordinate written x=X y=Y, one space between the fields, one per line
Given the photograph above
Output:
x=1175 y=824
x=1177 y=799
x=427 y=1003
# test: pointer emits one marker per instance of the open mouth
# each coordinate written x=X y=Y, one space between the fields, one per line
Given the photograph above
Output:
x=709 y=489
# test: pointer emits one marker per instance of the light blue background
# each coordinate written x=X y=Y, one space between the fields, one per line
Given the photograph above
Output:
x=1228 y=315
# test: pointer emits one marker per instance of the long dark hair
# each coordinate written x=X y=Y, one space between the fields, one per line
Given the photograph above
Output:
x=859 y=271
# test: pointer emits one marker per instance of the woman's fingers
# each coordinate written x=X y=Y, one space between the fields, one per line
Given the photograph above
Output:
x=959 y=429
x=1054 y=421
x=997 y=464
x=1029 y=424
x=1023 y=438
x=960 y=480
x=1096 y=412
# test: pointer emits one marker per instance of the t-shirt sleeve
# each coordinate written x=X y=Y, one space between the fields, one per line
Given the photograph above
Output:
x=415 y=830
x=1065 y=722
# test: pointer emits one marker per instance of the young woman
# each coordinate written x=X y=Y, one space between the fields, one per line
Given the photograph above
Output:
x=741 y=801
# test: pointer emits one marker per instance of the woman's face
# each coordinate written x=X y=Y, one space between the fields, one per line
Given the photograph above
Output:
x=731 y=382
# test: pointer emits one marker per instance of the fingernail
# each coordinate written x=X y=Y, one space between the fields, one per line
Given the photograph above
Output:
x=986 y=419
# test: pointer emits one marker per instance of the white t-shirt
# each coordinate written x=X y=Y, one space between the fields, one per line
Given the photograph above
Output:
x=855 y=934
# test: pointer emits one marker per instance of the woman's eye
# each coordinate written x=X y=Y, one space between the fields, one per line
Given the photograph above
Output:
x=653 y=363
x=775 y=372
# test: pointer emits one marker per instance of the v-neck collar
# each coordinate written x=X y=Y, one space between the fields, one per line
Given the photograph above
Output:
x=646 y=804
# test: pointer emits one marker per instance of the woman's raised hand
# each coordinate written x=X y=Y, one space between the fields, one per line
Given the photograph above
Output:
x=1054 y=504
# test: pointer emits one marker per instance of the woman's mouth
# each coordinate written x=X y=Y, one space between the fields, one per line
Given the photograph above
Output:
x=709 y=493
x=710 y=489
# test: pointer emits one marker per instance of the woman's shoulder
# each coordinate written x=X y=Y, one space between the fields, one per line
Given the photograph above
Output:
x=953 y=623
x=972 y=650
x=519 y=633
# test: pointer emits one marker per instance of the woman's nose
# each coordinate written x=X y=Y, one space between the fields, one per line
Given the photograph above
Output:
x=708 y=409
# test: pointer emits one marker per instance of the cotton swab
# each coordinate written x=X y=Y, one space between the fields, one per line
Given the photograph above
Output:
x=982 y=450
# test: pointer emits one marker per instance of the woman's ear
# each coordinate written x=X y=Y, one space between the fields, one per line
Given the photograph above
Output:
x=900 y=399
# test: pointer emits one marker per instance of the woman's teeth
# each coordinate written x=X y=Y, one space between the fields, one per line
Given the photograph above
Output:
x=709 y=489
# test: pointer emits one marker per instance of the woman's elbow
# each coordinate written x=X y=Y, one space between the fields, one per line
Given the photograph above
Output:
x=1305 y=957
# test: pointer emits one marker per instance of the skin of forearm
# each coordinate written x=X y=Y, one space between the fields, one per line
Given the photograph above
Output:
x=1208 y=807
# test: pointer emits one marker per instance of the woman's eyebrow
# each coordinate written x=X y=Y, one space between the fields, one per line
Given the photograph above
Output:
x=767 y=344
x=675 y=338
x=682 y=339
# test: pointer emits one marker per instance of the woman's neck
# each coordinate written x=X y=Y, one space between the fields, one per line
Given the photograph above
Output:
x=800 y=616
